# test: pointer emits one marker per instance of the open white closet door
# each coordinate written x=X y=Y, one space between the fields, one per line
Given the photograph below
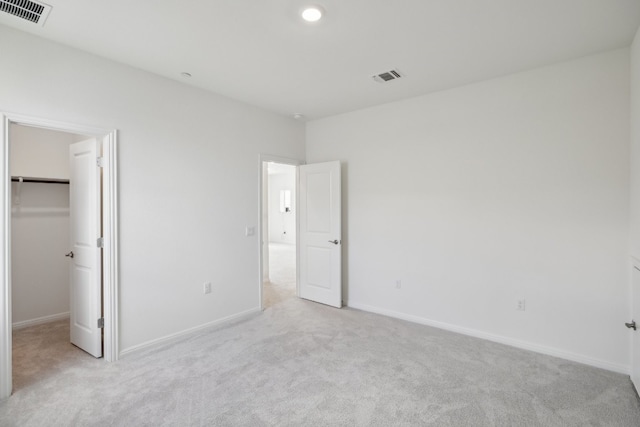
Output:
x=320 y=252
x=85 y=255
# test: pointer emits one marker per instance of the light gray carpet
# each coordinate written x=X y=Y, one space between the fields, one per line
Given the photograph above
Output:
x=282 y=274
x=305 y=364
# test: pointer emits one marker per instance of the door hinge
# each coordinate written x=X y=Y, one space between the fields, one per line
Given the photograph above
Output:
x=100 y=162
x=101 y=322
x=100 y=242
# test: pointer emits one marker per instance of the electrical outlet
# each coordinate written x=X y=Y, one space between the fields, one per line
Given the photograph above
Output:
x=207 y=288
x=521 y=305
x=398 y=284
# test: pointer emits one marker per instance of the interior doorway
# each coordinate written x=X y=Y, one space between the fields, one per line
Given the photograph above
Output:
x=46 y=308
x=318 y=228
x=279 y=231
x=107 y=243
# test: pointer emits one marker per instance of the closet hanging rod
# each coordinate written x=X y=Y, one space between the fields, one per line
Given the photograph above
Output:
x=40 y=180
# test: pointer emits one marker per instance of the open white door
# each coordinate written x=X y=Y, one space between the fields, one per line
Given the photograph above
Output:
x=635 y=339
x=85 y=255
x=320 y=250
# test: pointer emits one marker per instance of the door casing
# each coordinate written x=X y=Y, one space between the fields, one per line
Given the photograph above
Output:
x=110 y=234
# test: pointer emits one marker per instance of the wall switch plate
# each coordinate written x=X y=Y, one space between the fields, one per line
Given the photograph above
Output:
x=521 y=305
x=250 y=231
x=207 y=288
x=398 y=284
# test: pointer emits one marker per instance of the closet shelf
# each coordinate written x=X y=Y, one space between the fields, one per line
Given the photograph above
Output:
x=40 y=180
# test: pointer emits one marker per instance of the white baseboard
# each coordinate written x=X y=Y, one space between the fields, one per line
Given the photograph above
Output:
x=40 y=320
x=172 y=337
x=550 y=351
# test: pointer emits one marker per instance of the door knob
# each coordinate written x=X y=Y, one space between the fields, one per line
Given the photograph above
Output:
x=70 y=254
x=335 y=242
x=631 y=325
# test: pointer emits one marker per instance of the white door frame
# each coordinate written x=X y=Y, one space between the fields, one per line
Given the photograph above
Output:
x=110 y=234
x=265 y=158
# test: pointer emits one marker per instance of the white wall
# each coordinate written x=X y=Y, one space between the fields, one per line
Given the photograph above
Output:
x=39 y=241
x=635 y=147
x=185 y=157
x=40 y=153
x=39 y=224
x=282 y=226
x=479 y=196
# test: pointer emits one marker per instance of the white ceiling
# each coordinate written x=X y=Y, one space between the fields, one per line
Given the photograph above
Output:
x=262 y=53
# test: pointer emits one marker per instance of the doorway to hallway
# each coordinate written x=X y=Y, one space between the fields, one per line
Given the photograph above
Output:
x=279 y=233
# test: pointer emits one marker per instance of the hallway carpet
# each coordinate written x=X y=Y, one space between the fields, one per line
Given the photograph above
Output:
x=282 y=274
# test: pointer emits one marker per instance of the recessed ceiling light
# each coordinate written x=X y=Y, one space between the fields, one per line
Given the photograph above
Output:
x=312 y=13
x=185 y=74
x=298 y=116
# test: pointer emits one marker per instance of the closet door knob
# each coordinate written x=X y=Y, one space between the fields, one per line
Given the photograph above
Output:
x=70 y=254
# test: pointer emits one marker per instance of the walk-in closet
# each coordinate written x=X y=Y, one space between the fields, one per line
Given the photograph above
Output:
x=40 y=221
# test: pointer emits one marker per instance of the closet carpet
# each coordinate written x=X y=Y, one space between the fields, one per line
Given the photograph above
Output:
x=304 y=364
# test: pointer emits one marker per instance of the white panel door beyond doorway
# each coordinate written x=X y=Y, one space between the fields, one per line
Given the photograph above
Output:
x=320 y=233
x=85 y=255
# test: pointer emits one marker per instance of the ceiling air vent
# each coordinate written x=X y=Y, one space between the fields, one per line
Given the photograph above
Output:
x=387 y=76
x=26 y=10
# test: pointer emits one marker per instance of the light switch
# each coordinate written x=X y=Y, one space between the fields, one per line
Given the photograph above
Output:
x=250 y=231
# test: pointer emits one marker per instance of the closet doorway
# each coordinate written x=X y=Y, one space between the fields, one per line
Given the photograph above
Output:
x=39 y=160
x=40 y=218
x=279 y=231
